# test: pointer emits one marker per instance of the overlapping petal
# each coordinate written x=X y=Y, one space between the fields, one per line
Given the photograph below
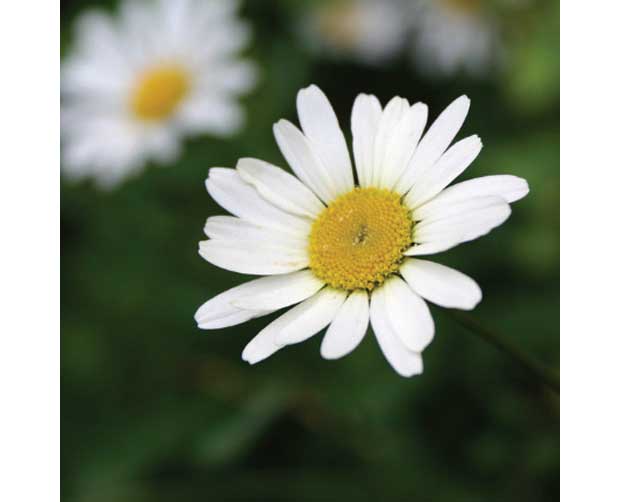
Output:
x=434 y=143
x=365 y=119
x=458 y=223
x=348 y=328
x=404 y=361
x=280 y=188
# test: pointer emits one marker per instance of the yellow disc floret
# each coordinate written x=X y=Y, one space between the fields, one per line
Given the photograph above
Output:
x=359 y=239
x=158 y=92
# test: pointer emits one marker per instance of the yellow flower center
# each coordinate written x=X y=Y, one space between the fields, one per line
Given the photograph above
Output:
x=359 y=239
x=159 y=91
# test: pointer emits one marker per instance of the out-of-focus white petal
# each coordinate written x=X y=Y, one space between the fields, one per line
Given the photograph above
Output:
x=209 y=113
x=228 y=78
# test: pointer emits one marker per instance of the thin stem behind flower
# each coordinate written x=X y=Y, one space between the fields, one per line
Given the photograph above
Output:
x=542 y=373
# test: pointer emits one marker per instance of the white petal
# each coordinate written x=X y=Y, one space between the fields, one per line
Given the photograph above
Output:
x=304 y=162
x=219 y=312
x=320 y=125
x=405 y=362
x=245 y=233
x=402 y=142
x=434 y=211
x=448 y=167
x=348 y=327
x=510 y=188
x=479 y=218
x=254 y=260
x=441 y=285
x=408 y=315
x=231 y=77
x=309 y=317
x=391 y=117
x=210 y=113
x=261 y=346
x=280 y=291
x=279 y=187
x=163 y=144
x=434 y=142
x=364 y=122
x=433 y=247
x=242 y=199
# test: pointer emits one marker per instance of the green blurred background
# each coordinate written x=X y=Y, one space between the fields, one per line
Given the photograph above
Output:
x=154 y=409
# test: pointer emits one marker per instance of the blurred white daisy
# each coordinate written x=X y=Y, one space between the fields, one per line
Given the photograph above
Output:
x=454 y=35
x=134 y=85
x=371 y=31
x=347 y=250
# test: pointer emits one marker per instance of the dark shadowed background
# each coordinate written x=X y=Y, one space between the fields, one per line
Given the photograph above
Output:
x=154 y=409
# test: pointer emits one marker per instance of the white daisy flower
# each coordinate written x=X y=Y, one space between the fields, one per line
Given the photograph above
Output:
x=344 y=248
x=454 y=35
x=135 y=85
x=369 y=30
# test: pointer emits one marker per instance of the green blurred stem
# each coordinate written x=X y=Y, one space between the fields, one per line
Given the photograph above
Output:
x=547 y=376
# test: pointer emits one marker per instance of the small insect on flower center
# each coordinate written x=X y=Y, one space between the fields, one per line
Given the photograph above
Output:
x=158 y=92
x=359 y=239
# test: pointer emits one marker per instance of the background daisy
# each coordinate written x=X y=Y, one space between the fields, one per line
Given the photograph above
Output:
x=136 y=83
x=450 y=36
x=369 y=31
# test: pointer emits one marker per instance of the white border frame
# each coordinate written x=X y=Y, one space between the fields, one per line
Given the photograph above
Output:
x=30 y=275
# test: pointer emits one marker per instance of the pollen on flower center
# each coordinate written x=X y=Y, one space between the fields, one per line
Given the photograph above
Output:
x=359 y=239
x=158 y=91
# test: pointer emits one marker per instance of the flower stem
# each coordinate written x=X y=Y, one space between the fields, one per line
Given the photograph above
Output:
x=547 y=376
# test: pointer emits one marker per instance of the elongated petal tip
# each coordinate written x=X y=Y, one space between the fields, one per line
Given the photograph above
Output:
x=521 y=191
